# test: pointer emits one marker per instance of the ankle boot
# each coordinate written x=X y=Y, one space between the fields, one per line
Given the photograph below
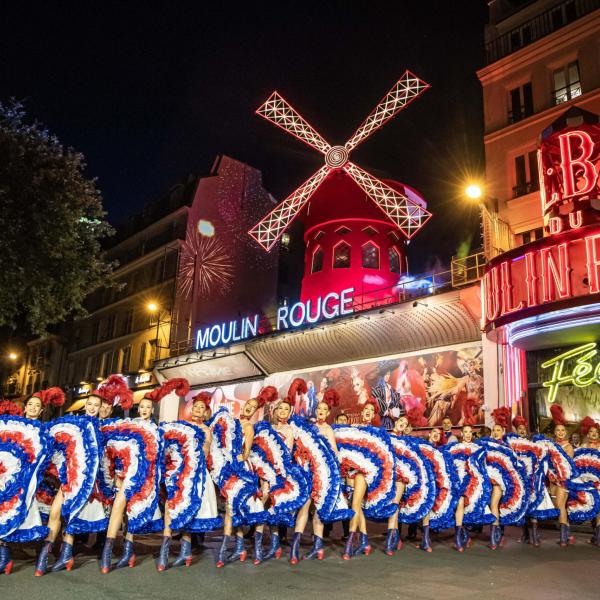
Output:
x=185 y=554
x=458 y=539
x=465 y=537
x=349 y=548
x=399 y=537
x=6 y=563
x=239 y=552
x=222 y=556
x=295 y=549
x=65 y=560
x=565 y=536
x=535 y=535
x=390 y=542
x=501 y=535
x=42 y=562
x=128 y=558
x=258 y=548
x=275 y=548
x=525 y=538
x=425 y=541
x=163 y=555
x=494 y=536
x=317 y=549
x=106 y=560
x=363 y=545
x=596 y=536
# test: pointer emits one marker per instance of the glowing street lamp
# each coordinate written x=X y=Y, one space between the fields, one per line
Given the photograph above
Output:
x=474 y=191
x=152 y=307
x=12 y=356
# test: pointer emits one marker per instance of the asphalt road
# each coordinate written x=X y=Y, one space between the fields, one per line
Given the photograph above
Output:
x=516 y=571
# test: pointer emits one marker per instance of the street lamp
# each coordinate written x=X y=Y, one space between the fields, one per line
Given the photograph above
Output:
x=12 y=356
x=474 y=191
x=153 y=307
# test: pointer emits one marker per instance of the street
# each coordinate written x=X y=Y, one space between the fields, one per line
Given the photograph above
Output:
x=515 y=571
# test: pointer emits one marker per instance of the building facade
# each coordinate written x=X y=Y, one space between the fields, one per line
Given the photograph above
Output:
x=541 y=90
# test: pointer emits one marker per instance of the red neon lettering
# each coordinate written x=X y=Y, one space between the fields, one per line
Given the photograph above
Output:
x=555 y=225
x=584 y=167
x=492 y=294
x=560 y=282
x=575 y=220
x=592 y=263
x=530 y=279
x=507 y=287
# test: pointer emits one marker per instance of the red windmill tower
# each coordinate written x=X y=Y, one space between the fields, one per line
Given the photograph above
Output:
x=354 y=222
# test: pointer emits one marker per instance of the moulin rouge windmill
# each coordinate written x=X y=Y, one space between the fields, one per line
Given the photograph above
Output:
x=354 y=221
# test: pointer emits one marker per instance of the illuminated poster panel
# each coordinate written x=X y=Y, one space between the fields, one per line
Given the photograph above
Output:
x=446 y=382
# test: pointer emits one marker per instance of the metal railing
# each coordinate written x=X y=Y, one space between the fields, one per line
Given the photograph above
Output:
x=463 y=271
x=540 y=26
x=525 y=188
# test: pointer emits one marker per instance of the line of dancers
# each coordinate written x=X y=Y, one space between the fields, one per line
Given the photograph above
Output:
x=93 y=474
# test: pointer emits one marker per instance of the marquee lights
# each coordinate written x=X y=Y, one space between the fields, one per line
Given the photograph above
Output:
x=407 y=215
x=547 y=273
x=582 y=374
x=301 y=313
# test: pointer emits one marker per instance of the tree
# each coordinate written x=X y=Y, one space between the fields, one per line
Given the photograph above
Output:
x=51 y=225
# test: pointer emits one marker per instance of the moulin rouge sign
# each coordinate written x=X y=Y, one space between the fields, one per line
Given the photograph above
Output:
x=565 y=265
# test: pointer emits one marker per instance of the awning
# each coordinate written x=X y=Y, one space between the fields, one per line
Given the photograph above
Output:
x=437 y=321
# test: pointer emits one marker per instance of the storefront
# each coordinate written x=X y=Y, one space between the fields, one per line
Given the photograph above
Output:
x=407 y=355
x=542 y=300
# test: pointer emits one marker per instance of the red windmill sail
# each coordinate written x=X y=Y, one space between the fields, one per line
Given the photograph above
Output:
x=407 y=215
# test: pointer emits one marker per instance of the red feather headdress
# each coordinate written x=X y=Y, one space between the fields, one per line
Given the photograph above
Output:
x=267 y=395
x=501 y=416
x=53 y=396
x=116 y=392
x=518 y=421
x=10 y=408
x=204 y=397
x=179 y=385
x=415 y=416
x=586 y=424
x=331 y=398
x=298 y=386
x=558 y=415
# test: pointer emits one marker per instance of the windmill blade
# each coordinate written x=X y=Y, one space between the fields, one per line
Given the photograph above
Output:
x=406 y=89
x=267 y=231
x=277 y=110
x=407 y=215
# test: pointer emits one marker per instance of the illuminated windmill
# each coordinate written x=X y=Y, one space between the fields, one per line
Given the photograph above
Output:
x=391 y=205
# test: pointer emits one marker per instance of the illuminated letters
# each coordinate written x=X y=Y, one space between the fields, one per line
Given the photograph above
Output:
x=561 y=273
x=582 y=374
x=582 y=163
x=592 y=263
x=507 y=286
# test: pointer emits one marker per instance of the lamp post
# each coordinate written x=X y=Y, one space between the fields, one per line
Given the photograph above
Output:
x=154 y=308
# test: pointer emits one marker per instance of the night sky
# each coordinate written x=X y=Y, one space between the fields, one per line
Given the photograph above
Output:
x=151 y=95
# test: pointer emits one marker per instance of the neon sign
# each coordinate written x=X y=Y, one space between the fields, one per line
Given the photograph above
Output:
x=301 y=313
x=546 y=273
x=569 y=165
x=582 y=374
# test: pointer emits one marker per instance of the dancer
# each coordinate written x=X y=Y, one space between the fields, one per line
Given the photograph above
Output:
x=558 y=484
x=329 y=400
x=131 y=443
x=191 y=504
x=78 y=444
x=24 y=449
x=373 y=478
x=238 y=471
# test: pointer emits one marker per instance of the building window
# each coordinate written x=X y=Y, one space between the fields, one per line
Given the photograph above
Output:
x=317 y=260
x=111 y=326
x=394 y=257
x=142 y=361
x=370 y=256
x=341 y=256
x=125 y=359
x=526 y=174
x=128 y=327
x=532 y=235
x=520 y=101
x=96 y=331
x=87 y=375
x=566 y=83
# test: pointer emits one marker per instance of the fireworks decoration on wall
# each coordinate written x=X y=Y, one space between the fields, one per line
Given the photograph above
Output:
x=207 y=260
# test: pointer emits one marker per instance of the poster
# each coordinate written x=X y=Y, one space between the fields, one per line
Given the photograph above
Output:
x=442 y=383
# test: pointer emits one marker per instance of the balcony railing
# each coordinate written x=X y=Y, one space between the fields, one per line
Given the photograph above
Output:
x=540 y=26
x=525 y=188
